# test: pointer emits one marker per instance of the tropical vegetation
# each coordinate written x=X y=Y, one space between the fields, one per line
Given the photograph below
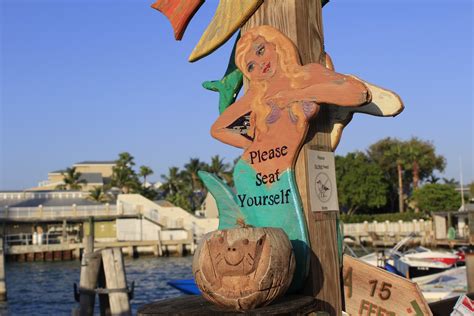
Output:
x=71 y=180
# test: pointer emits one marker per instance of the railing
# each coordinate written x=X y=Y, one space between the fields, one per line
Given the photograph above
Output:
x=51 y=238
x=51 y=212
x=398 y=229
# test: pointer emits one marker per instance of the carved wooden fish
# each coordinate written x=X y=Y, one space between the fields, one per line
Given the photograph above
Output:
x=178 y=12
x=229 y=16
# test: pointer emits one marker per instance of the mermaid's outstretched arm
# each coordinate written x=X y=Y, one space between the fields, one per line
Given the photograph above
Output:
x=220 y=130
x=328 y=87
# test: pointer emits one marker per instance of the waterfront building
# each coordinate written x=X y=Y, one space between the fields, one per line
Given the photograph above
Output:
x=94 y=173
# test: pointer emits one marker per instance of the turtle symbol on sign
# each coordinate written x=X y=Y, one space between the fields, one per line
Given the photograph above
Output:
x=323 y=187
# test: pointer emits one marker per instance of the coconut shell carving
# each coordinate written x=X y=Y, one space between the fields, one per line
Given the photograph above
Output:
x=244 y=268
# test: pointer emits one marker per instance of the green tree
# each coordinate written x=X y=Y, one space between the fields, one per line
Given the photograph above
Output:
x=360 y=182
x=421 y=161
x=72 y=180
x=452 y=182
x=406 y=164
x=437 y=197
x=98 y=194
x=145 y=171
x=148 y=192
x=220 y=169
x=123 y=176
x=193 y=187
x=172 y=181
x=390 y=155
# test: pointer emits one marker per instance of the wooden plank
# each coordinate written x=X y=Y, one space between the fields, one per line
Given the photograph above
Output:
x=301 y=21
x=229 y=16
x=197 y=305
x=369 y=290
x=89 y=273
x=116 y=280
x=178 y=12
x=470 y=272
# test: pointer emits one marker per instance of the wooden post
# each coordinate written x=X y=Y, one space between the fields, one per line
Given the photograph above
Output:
x=3 y=284
x=158 y=249
x=301 y=21
x=116 y=280
x=64 y=232
x=470 y=272
x=471 y=227
x=104 y=303
x=89 y=246
x=90 y=265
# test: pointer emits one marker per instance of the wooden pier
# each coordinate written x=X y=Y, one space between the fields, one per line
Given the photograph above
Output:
x=60 y=252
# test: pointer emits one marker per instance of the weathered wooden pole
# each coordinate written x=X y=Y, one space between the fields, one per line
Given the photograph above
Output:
x=116 y=281
x=470 y=272
x=301 y=21
x=90 y=266
x=3 y=284
x=64 y=232
x=471 y=227
x=104 y=303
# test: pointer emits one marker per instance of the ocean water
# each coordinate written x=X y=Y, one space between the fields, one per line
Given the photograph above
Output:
x=46 y=288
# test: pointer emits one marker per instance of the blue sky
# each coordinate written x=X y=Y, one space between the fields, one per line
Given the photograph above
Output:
x=87 y=79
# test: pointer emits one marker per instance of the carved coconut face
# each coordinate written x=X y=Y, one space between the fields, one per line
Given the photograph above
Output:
x=244 y=268
x=239 y=258
x=261 y=60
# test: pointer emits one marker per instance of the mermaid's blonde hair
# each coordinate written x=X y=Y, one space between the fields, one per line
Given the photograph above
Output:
x=289 y=62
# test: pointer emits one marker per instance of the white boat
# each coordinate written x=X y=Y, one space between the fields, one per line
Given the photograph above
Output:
x=422 y=261
x=443 y=285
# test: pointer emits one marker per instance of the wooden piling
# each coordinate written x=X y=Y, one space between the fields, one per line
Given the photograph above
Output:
x=470 y=272
x=64 y=232
x=116 y=281
x=3 y=284
x=89 y=275
x=104 y=303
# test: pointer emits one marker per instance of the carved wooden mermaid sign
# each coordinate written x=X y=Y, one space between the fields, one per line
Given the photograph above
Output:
x=282 y=97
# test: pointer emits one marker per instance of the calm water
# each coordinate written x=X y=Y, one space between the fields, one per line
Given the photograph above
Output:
x=46 y=288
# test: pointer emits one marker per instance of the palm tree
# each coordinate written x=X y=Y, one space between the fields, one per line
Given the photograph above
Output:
x=97 y=194
x=125 y=159
x=145 y=172
x=123 y=176
x=172 y=181
x=197 y=193
x=72 y=180
x=191 y=172
x=220 y=169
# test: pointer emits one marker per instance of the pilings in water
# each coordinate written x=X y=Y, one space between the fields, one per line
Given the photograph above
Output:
x=3 y=284
x=103 y=273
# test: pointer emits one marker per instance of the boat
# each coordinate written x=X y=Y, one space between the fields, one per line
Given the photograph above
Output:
x=415 y=262
x=421 y=261
x=443 y=285
x=187 y=286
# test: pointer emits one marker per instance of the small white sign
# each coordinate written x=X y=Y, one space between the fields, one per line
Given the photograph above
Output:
x=322 y=181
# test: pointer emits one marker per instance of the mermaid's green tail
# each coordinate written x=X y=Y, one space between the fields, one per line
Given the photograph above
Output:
x=229 y=212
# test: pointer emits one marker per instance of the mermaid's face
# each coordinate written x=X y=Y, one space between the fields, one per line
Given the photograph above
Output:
x=261 y=60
